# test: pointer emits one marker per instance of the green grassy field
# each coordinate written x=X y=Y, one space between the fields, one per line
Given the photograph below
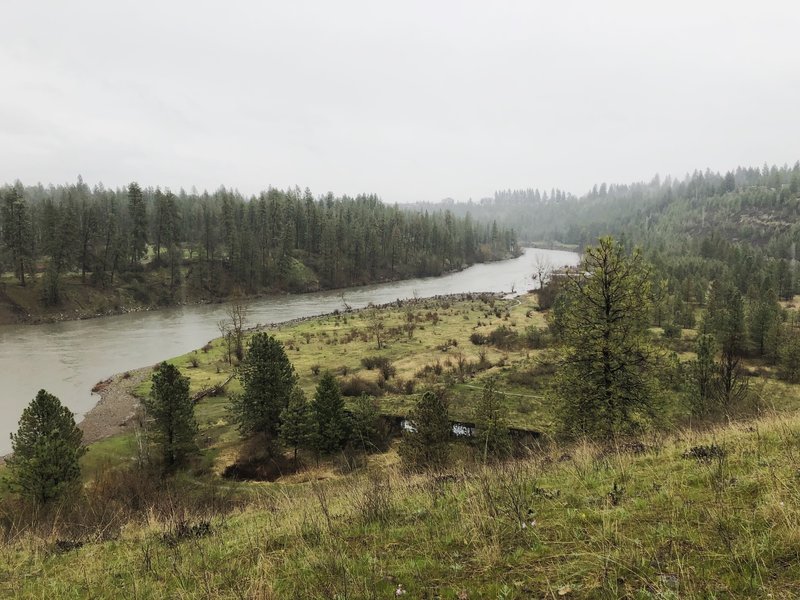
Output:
x=581 y=521
x=682 y=514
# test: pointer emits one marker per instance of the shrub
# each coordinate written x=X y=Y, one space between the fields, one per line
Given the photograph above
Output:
x=447 y=345
x=379 y=362
x=535 y=338
x=478 y=339
x=355 y=386
x=672 y=331
x=504 y=338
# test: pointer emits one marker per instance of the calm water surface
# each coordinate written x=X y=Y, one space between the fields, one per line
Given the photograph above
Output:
x=68 y=358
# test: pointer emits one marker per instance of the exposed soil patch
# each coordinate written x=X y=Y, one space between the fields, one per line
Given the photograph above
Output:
x=115 y=410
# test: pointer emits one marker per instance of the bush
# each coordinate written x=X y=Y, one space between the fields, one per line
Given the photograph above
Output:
x=672 y=331
x=535 y=338
x=451 y=343
x=478 y=339
x=504 y=338
x=381 y=363
x=374 y=362
x=355 y=386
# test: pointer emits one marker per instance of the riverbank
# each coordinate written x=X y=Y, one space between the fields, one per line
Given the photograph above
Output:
x=115 y=411
x=82 y=301
x=68 y=358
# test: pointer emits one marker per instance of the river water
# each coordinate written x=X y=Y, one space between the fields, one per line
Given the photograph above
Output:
x=68 y=358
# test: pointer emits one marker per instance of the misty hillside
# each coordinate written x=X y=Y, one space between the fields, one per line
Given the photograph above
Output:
x=752 y=205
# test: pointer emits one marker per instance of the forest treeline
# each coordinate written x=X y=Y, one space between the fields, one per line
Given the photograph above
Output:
x=757 y=205
x=213 y=243
x=708 y=231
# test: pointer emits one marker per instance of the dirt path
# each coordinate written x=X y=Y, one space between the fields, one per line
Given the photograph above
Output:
x=116 y=408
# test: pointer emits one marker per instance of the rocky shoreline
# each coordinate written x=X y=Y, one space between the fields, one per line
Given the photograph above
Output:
x=115 y=412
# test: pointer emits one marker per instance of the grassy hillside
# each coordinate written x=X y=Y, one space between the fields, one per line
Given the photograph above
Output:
x=682 y=514
x=694 y=515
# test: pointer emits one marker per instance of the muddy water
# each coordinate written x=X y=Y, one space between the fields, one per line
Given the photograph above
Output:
x=68 y=358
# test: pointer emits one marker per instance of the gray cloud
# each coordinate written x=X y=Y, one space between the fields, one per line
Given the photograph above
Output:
x=412 y=100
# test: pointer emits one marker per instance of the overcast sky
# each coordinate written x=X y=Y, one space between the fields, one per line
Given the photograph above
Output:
x=410 y=100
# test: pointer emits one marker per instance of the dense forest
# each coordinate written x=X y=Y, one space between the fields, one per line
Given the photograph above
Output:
x=737 y=229
x=165 y=247
x=754 y=205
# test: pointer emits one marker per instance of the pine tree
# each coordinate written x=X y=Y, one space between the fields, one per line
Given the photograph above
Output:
x=138 y=216
x=428 y=445
x=762 y=318
x=297 y=425
x=47 y=450
x=330 y=421
x=267 y=378
x=491 y=423
x=789 y=356
x=704 y=373
x=366 y=432
x=16 y=230
x=605 y=386
x=172 y=411
x=726 y=317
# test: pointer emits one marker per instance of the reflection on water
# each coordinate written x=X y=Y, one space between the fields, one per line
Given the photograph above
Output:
x=68 y=358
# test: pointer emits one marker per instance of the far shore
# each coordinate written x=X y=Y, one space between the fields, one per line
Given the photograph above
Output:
x=15 y=315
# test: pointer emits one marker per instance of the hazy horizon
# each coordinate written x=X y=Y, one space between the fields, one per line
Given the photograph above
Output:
x=416 y=103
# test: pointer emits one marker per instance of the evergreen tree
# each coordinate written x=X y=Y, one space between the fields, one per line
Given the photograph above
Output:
x=605 y=386
x=267 y=378
x=491 y=423
x=172 y=411
x=297 y=425
x=366 y=430
x=428 y=445
x=704 y=373
x=17 y=233
x=726 y=316
x=330 y=421
x=763 y=317
x=789 y=357
x=138 y=218
x=47 y=450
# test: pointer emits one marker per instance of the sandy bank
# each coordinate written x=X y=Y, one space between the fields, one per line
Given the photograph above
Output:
x=115 y=411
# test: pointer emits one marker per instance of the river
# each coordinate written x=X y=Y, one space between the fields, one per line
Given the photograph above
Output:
x=68 y=358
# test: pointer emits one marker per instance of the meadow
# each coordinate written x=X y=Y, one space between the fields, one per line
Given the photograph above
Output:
x=682 y=512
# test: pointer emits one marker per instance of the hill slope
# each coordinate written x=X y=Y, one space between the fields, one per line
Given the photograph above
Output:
x=695 y=515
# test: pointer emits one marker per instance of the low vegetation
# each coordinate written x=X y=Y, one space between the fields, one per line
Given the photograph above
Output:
x=694 y=515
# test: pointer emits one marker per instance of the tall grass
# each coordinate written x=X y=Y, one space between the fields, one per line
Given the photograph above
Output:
x=648 y=520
